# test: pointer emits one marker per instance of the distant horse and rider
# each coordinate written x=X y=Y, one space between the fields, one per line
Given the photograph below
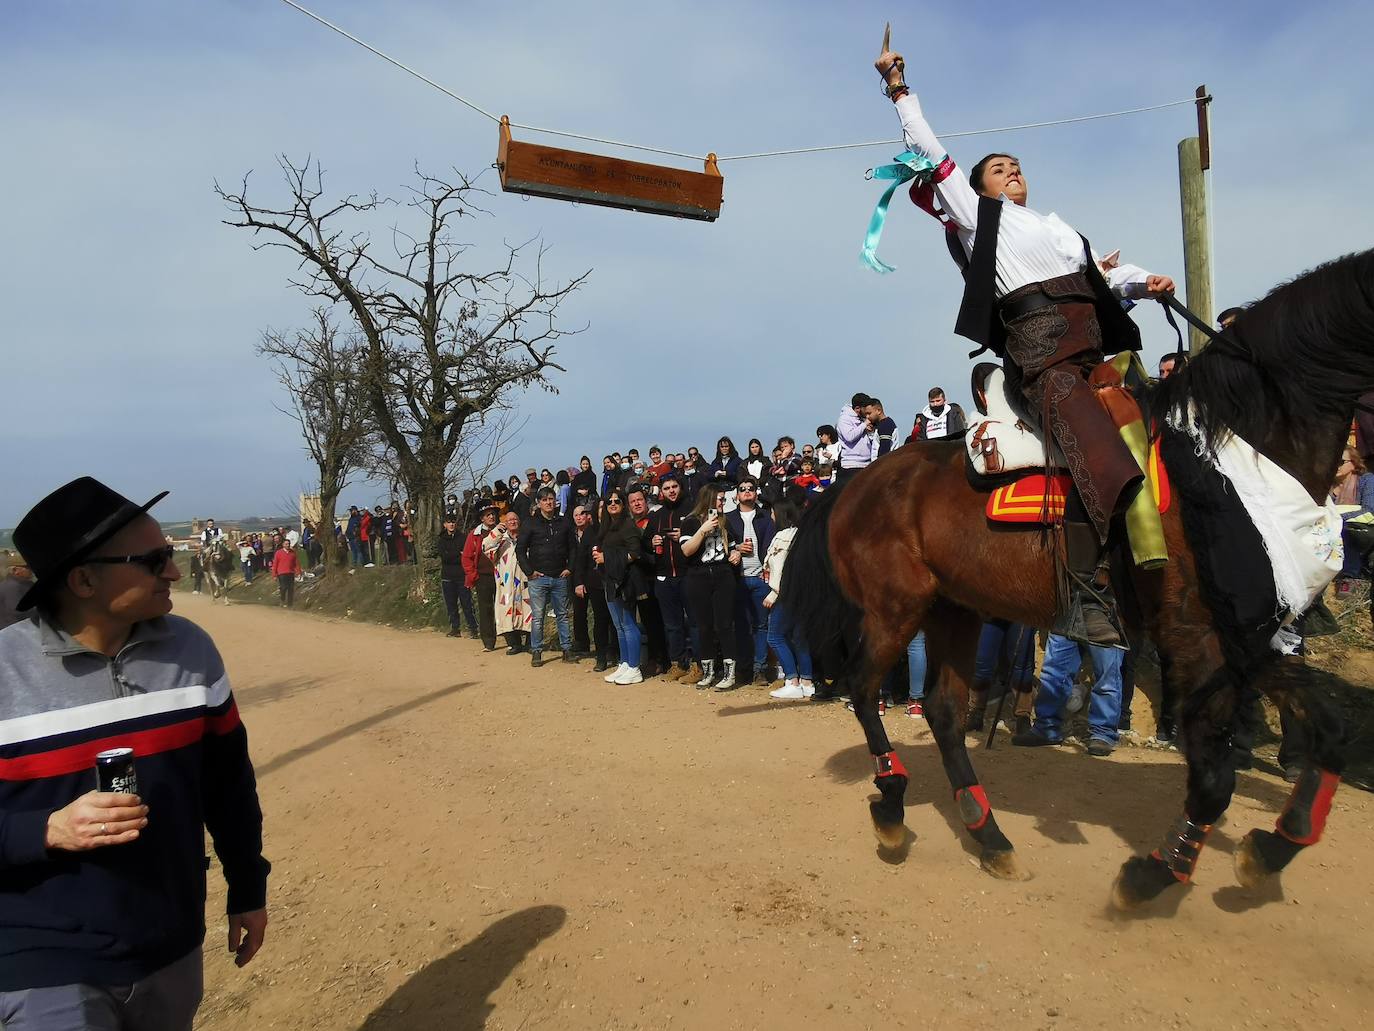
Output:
x=217 y=562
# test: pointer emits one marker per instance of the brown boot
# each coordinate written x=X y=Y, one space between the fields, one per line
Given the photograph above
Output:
x=1090 y=612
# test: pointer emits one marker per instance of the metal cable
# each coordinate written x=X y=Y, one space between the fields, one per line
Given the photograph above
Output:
x=702 y=157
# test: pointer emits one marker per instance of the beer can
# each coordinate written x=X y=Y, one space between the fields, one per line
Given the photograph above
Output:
x=114 y=771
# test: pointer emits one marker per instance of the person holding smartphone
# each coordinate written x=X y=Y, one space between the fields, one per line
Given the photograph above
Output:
x=711 y=586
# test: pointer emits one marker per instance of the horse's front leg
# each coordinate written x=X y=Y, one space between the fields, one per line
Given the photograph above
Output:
x=1206 y=740
x=1316 y=732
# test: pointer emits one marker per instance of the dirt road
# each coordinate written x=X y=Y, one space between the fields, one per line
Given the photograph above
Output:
x=460 y=841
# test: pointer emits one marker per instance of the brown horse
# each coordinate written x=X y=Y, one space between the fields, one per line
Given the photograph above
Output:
x=910 y=548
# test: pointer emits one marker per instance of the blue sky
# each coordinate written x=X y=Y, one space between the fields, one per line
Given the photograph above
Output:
x=132 y=313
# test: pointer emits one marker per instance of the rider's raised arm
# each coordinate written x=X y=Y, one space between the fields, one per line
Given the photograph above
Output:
x=957 y=197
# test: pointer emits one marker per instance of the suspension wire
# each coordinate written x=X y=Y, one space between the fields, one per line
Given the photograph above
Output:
x=391 y=60
x=702 y=157
x=952 y=135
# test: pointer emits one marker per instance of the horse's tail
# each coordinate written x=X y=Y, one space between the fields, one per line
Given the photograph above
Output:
x=810 y=592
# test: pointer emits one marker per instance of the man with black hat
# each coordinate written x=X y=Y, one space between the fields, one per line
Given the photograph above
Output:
x=102 y=897
x=479 y=575
x=451 y=576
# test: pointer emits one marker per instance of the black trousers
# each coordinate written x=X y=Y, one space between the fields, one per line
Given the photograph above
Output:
x=655 y=641
x=457 y=597
x=711 y=594
x=678 y=623
x=485 y=589
x=286 y=587
x=582 y=638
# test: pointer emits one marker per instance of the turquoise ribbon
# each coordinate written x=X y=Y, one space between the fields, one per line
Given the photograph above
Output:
x=906 y=167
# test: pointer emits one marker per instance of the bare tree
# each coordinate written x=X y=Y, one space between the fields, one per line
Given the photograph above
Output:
x=484 y=448
x=322 y=371
x=444 y=343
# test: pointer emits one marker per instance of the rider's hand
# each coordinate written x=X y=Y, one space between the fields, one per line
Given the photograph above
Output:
x=890 y=66
x=1157 y=285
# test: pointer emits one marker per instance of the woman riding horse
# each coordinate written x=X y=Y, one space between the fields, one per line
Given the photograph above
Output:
x=1035 y=295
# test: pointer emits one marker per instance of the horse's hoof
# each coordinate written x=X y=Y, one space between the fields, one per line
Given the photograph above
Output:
x=1251 y=869
x=1141 y=880
x=1003 y=864
x=890 y=835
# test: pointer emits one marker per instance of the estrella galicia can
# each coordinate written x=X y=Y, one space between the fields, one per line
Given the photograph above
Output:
x=114 y=771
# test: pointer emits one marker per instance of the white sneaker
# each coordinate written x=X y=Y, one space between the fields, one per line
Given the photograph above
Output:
x=614 y=676
x=632 y=675
x=808 y=688
x=790 y=689
x=369 y=565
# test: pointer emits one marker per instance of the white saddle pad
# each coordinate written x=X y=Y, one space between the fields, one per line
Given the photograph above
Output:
x=1018 y=445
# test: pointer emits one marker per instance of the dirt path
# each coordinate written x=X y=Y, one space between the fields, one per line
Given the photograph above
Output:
x=460 y=841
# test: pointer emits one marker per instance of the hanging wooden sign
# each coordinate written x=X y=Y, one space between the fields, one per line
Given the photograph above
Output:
x=539 y=171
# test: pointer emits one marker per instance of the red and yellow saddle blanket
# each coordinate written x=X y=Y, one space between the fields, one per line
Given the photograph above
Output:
x=1036 y=498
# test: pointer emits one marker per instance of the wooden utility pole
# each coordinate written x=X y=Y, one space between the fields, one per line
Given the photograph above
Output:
x=1194 y=159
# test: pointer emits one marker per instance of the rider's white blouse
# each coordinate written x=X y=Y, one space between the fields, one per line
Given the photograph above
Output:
x=1031 y=247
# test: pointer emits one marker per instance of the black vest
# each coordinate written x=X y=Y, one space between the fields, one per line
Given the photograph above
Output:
x=979 y=319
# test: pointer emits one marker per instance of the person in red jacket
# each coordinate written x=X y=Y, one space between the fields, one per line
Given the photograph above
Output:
x=285 y=567
x=365 y=538
x=479 y=575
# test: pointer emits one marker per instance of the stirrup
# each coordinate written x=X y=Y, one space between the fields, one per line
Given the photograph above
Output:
x=1091 y=616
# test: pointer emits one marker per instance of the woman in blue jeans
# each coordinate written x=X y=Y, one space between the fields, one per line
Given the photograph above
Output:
x=783 y=634
x=620 y=554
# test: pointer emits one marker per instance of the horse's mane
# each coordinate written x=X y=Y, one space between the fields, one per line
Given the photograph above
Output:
x=1302 y=353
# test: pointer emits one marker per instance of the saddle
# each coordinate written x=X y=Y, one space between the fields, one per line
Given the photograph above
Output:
x=1026 y=483
x=1002 y=438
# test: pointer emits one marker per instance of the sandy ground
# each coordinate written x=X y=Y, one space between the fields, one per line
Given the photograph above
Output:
x=460 y=841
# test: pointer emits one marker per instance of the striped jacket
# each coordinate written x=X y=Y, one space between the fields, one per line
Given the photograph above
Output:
x=114 y=915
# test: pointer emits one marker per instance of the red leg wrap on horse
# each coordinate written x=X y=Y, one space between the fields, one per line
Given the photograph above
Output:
x=1304 y=817
x=888 y=765
x=1182 y=847
x=973 y=806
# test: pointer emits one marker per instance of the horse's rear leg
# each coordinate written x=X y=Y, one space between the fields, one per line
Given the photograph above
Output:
x=951 y=644
x=888 y=812
x=1261 y=854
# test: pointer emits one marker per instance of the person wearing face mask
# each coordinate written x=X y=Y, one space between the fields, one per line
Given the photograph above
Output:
x=938 y=419
x=1037 y=295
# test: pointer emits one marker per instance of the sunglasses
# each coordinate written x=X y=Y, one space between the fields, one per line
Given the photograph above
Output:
x=154 y=561
x=613 y=501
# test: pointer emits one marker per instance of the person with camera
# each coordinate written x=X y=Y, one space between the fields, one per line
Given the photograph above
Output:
x=545 y=553
x=711 y=565
x=857 y=438
x=479 y=575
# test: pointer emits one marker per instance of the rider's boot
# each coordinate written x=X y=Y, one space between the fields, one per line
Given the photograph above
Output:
x=1089 y=615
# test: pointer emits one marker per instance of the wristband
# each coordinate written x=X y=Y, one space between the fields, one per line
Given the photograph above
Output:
x=893 y=90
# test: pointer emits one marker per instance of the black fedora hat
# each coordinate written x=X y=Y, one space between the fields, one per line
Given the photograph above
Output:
x=68 y=525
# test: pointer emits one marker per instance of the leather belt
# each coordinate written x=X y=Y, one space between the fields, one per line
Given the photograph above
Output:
x=1034 y=296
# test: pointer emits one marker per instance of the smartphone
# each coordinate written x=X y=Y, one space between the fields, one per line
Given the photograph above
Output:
x=712 y=513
